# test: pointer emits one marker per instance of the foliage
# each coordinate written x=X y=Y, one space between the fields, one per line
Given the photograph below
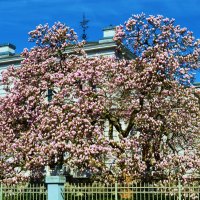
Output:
x=155 y=118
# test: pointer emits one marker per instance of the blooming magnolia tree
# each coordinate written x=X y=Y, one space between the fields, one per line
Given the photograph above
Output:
x=59 y=104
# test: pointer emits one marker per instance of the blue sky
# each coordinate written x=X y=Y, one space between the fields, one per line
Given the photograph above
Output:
x=18 y=17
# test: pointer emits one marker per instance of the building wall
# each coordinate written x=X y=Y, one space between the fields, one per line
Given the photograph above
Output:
x=4 y=64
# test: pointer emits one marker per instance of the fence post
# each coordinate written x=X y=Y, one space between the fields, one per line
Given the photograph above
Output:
x=116 y=188
x=179 y=190
x=55 y=187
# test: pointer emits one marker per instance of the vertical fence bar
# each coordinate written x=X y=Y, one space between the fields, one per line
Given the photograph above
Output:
x=111 y=191
x=116 y=188
x=66 y=191
x=1 y=191
x=179 y=190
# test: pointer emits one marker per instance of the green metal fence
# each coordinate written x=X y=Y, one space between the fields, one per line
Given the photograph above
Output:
x=132 y=192
x=115 y=191
x=23 y=192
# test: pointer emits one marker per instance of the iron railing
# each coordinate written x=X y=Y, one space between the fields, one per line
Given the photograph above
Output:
x=137 y=191
x=23 y=192
x=97 y=191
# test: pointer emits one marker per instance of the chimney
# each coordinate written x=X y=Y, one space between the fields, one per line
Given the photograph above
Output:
x=7 y=49
x=108 y=34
